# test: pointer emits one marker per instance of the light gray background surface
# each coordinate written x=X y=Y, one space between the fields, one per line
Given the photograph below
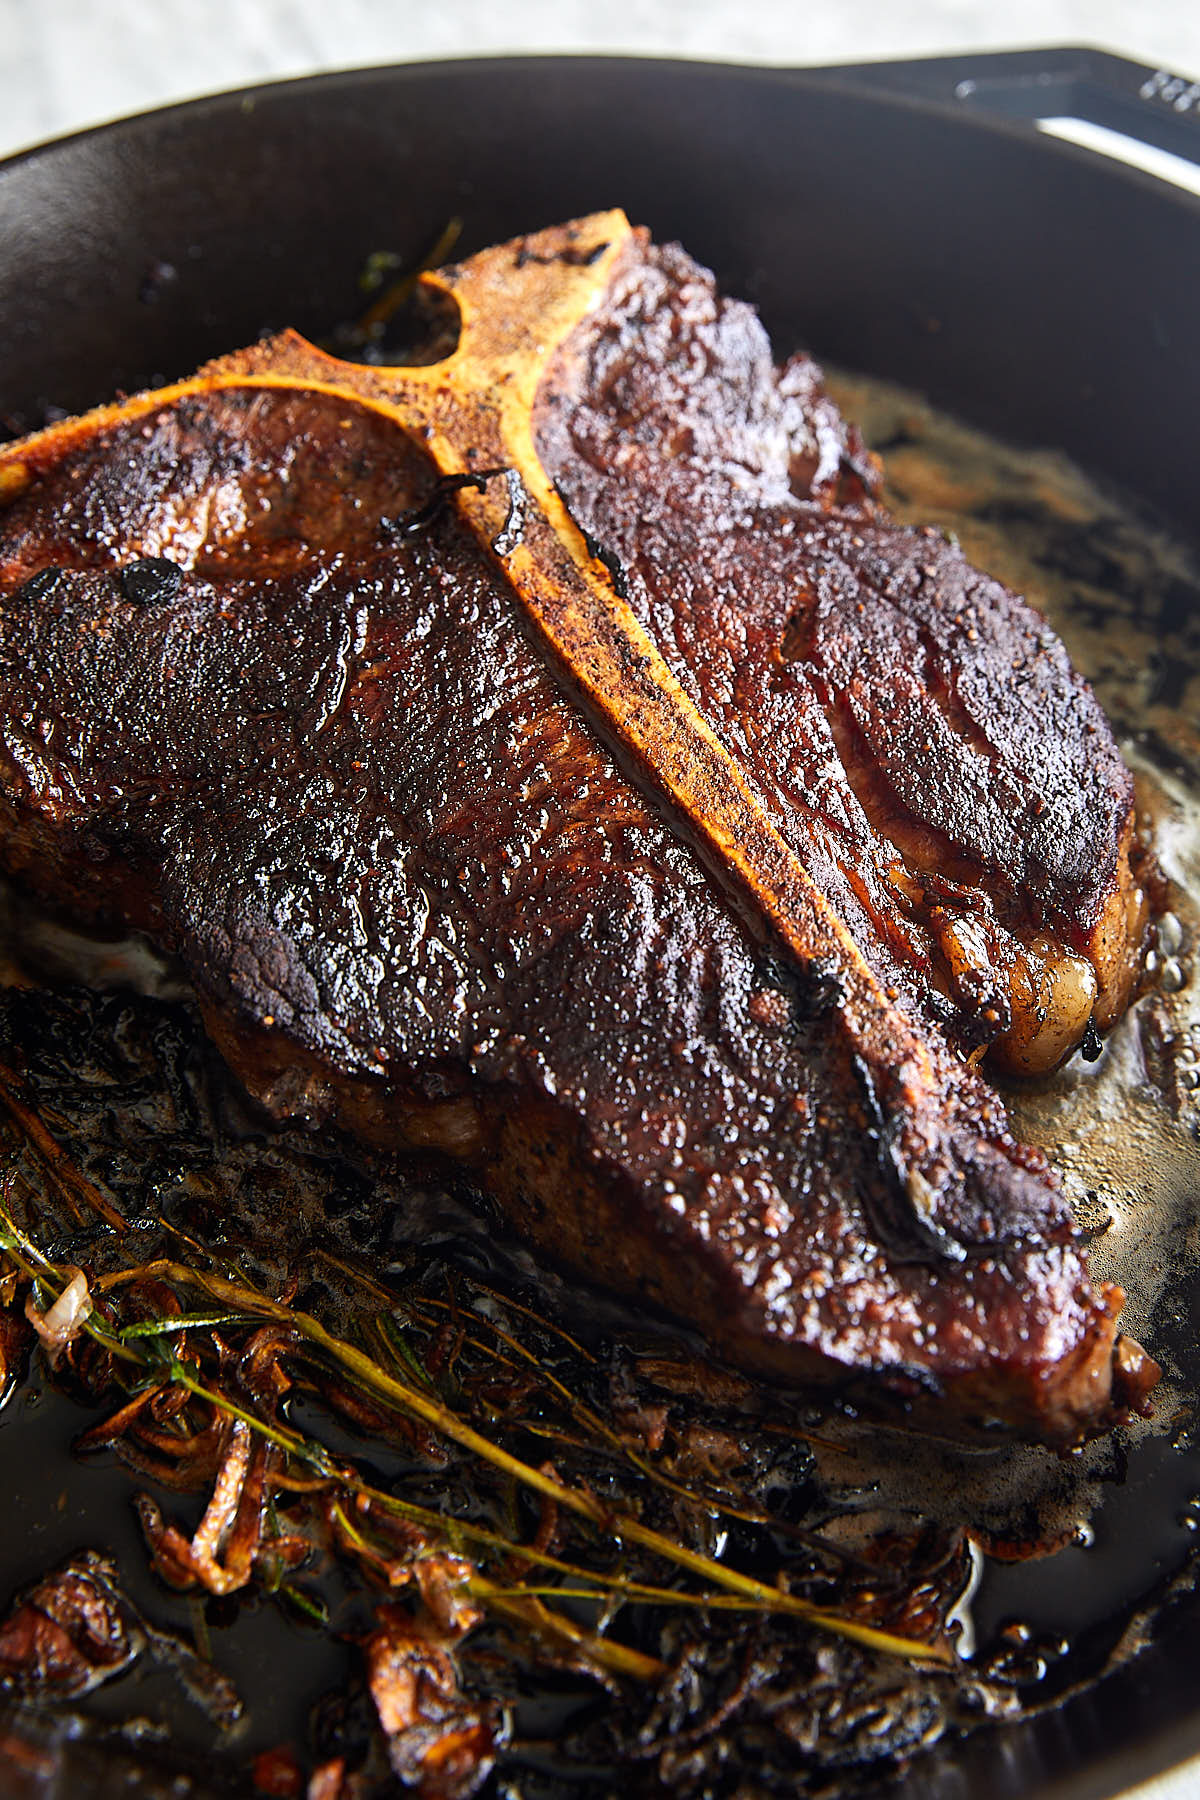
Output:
x=65 y=64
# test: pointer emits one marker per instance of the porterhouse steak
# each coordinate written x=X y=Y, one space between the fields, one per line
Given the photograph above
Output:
x=555 y=756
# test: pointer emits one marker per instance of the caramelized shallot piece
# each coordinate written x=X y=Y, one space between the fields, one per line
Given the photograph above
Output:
x=62 y=1321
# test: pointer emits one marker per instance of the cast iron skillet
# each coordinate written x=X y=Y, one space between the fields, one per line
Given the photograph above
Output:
x=883 y=216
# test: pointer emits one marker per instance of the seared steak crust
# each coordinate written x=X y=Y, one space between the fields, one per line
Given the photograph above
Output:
x=426 y=892
x=916 y=729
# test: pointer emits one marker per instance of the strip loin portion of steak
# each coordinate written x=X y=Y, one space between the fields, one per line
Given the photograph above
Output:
x=664 y=874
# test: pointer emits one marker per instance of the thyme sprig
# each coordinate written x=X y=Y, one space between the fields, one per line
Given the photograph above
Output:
x=146 y=1349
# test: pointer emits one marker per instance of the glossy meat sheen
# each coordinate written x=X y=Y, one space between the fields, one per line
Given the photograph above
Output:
x=914 y=728
x=339 y=774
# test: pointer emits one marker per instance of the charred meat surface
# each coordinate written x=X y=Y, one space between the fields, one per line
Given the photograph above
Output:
x=915 y=729
x=560 y=761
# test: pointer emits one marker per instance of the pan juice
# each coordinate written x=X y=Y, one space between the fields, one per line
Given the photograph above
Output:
x=1077 y=1546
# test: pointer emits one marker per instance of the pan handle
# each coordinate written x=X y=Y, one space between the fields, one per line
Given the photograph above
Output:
x=1150 y=105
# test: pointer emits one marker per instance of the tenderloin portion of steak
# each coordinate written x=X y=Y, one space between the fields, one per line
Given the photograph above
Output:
x=622 y=866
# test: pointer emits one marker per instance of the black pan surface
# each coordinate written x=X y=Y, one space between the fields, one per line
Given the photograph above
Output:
x=1029 y=287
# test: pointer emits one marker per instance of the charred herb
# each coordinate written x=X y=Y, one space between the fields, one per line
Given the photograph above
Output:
x=504 y=1502
x=151 y=581
x=418 y=518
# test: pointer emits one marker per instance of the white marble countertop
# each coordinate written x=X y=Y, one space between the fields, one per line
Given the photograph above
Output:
x=65 y=64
